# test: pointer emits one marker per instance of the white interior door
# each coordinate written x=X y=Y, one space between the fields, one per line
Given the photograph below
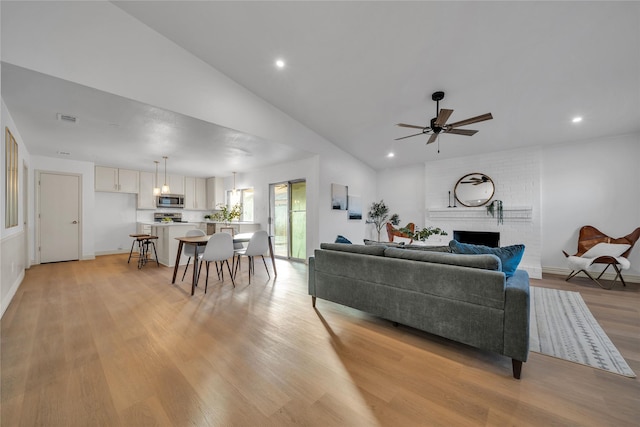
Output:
x=59 y=217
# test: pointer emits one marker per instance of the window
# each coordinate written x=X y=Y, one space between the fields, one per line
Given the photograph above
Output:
x=11 y=180
x=245 y=198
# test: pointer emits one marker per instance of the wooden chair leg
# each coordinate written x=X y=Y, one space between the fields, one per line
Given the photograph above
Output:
x=131 y=251
x=206 y=282
x=265 y=266
x=185 y=268
x=229 y=269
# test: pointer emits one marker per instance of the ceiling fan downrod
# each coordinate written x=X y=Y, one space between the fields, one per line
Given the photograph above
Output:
x=436 y=96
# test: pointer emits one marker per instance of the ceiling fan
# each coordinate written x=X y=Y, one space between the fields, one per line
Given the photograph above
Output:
x=438 y=124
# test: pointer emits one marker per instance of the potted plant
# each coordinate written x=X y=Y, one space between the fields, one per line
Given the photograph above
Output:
x=495 y=208
x=226 y=214
x=422 y=235
x=379 y=215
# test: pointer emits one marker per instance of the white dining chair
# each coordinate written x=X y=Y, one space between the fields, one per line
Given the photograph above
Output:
x=190 y=250
x=258 y=245
x=218 y=250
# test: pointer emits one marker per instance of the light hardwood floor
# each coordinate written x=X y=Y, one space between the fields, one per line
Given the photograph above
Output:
x=102 y=343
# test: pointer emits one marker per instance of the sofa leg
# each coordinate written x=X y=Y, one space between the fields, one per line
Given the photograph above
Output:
x=395 y=324
x=517 y=368
x=313 y=301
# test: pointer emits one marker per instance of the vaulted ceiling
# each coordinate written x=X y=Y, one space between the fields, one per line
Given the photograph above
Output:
x=355 y=69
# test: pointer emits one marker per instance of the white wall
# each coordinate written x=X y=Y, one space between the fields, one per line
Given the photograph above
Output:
x=86 y=170
x=569 y=185
x=516 y=175
x=115 y=218
x=590 y=183
x=341 y=168
x=403 y=191
x=13 y=257
x=323 y=223
x=91 y=43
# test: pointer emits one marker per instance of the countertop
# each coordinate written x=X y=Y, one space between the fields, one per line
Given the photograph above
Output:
x=167 y=224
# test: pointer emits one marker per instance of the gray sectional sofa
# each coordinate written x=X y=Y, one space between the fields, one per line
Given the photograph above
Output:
x=465 y=298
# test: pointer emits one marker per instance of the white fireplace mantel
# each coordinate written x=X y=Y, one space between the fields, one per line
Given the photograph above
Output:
x=509 y=213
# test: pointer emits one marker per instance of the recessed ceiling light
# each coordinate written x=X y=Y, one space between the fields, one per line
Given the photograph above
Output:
x=280 y=63
x=577 y=119
x=390 y=154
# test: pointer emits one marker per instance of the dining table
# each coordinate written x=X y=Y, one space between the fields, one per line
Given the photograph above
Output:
x=199 y=241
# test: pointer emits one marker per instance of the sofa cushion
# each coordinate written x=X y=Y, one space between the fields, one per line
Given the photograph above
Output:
x=342 y=239
x=446 y=279
x=428 y=248
x=485 y=262
x=510 y=256
x=358 y=249
x=386 y=244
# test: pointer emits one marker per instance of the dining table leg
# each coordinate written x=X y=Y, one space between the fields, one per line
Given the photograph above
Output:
x=273 y=258
x=195 y=270
x=175 y=267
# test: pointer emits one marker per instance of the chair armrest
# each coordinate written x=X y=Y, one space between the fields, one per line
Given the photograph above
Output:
x=312 y=276
x=516 y=316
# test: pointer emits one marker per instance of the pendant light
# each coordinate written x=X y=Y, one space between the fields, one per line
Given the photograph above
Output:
x=234 y=185
x=165 y=187
x=156 y=188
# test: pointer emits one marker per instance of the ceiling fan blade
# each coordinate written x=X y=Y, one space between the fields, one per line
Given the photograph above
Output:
x=476 y=119
x=409 y=136
x=433 y=138
x=467 y=132
x=404 y=125
x=443 y=116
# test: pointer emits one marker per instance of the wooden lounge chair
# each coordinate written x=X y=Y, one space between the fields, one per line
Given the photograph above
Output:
x=595 y=247
x=391 y=231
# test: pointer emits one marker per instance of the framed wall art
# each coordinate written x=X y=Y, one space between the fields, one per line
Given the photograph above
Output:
x=354 y=207
x=339 y=200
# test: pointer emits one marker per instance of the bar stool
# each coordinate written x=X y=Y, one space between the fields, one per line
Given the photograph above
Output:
x=136 y=238
x=147 y=241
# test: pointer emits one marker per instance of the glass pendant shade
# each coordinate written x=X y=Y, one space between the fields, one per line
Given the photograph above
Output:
x=156 y=189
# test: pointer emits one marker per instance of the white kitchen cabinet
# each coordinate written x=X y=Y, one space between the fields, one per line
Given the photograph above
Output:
x=146 y=199
x=195 y=193
x=176 y=184
x=167 y=245
x=116 y=180
x=215 y=192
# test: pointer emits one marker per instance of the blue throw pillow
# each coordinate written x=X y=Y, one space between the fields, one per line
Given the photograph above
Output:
x=342 y=239
x=509 y=255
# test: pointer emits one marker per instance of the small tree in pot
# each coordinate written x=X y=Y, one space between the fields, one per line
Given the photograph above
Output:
x=379 y=215
x=227 y=215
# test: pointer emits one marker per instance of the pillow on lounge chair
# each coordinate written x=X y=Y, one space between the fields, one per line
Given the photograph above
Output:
x=509 y=255
x=606 y=249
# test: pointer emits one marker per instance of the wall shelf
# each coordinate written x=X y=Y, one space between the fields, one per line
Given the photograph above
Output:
x=510 y=214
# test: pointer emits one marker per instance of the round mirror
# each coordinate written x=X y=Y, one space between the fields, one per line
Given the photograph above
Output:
x=474 y=189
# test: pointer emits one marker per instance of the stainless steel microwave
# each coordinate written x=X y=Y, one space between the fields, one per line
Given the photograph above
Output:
x=170 y=201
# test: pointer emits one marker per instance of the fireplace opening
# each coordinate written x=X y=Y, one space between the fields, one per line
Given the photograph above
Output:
x=485 y=238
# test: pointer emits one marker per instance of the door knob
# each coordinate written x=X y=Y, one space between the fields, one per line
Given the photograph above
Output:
x=74 y=222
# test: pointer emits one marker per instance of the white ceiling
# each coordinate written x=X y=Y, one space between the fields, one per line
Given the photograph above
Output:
x=115 y=131
x=354 y=69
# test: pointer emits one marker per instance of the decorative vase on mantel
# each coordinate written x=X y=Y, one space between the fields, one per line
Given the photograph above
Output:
x=495 y=209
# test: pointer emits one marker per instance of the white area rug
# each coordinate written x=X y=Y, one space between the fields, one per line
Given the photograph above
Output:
x=562 y=326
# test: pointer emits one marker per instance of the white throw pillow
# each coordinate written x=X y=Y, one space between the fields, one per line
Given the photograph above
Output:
x=606 y=249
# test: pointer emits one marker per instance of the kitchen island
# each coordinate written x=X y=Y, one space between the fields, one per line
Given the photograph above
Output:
x=167 y=245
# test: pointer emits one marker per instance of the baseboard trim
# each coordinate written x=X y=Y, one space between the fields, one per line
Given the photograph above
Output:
x=116 y=252
x=607 y=276
x=12 y=292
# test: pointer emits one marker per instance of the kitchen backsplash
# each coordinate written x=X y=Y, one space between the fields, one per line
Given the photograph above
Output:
x=189 y=216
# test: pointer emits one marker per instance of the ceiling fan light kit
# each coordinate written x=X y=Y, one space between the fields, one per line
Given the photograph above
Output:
x=439 y=125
